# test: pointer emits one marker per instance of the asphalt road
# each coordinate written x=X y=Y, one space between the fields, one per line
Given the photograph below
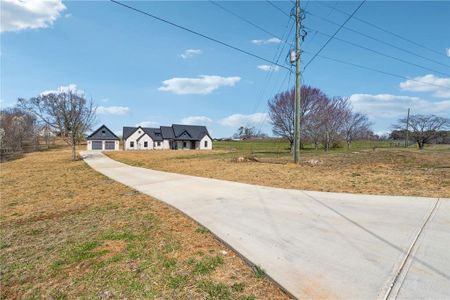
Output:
x=314 y=244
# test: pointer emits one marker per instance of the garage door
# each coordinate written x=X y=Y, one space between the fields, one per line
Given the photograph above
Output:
x=97 y=145
x=110 y=145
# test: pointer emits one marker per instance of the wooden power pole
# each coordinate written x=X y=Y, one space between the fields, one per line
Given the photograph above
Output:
x=297 y=84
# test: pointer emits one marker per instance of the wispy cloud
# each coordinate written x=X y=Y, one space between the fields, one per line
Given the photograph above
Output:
x=112 y=110
x=65 y=89
x=196 y=120
x=148 y=124
x=203 y=85
x=448 y=52
x=438 y=86
x=273 y=40
x=237 y=120
x=386 y=105
x=267 y=68
x=20 y=15
x=190 y=53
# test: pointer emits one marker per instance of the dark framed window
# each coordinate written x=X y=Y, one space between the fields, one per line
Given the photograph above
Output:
x=132 y=144
x=145 y=144
x=206 y=144
x=158 y=144
x=184 y=144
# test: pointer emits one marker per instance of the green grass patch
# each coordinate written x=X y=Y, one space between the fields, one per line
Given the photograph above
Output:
x=215 y=290
x=207 y=264
x=259 y=272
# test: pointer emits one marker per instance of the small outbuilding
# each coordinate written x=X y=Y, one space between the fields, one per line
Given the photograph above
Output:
x=103 y=139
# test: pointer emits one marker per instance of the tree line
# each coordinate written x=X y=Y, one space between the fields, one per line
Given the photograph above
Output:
x=325 y=121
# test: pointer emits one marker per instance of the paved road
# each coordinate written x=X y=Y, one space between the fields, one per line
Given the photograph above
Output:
x=314 y=244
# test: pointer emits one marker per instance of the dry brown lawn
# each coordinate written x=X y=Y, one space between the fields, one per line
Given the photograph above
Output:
x=380 y=171
x=69 y=232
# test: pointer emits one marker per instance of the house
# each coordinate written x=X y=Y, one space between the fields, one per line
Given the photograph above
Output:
x=167 y=137
x=103 y=139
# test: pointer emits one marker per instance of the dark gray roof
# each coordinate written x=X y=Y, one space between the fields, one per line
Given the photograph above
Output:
x=174 y=132
x=103 y=133
x=167 y=132
x=189 y=132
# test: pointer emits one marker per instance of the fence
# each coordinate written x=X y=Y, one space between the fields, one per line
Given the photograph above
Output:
x=11 y=154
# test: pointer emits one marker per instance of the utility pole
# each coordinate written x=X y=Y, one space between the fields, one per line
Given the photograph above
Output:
x=407 y=130
x=297 y=83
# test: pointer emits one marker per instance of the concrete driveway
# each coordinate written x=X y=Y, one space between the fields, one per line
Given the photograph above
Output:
x=314 y=244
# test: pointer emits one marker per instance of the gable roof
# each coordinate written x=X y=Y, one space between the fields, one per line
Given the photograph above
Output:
x=174 y=132
x=193 y=132
x=103 y=133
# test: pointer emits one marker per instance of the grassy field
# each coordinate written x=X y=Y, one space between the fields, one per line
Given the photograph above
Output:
x=69 y=232
x=369 y=167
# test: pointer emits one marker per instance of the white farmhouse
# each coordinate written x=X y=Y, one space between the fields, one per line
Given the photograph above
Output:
x=167 y=137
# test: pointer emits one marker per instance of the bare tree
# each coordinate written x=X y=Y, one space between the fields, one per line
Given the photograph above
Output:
x=18 y=127
x=424 y=128
x=282 y=111
x=67 y=112
x=355 y=125
x=331 y=118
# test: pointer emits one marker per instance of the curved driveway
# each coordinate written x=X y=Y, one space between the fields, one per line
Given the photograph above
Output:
x=314 y=244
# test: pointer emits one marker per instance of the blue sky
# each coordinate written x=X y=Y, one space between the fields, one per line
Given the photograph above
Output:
x=142 y=71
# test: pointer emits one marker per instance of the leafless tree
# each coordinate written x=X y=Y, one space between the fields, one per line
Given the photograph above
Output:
x=282 y=111
x=67 y=112
x=355 y=125
x=331 y=120
x=424 y=128
x=17 y=128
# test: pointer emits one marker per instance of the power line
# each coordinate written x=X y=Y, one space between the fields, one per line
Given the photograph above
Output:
x=377 y=70
x=199 y=34
x=376 y=39
x=278 y=8
x=248 y=21
x=329 y=40
x=378 y=52
x=385 y=30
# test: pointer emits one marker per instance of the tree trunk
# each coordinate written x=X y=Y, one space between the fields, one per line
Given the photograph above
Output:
x=420 y=144
x=74 y=152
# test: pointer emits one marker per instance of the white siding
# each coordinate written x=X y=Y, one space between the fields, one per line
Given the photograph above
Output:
x=206 y=139
x=141 y=143
x=166 y=144
x=133 y=138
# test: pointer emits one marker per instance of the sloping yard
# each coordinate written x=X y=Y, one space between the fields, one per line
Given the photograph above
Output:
x=69 y=232
x=405 y=172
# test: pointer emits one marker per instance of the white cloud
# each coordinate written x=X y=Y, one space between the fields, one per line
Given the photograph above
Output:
x=19 y=15
x=112 y=110
x=237 y=120
x=190 y=53
x=388 y=106
x=203 y=85
x=64 y=89
x=148 y=124
x=196 y=120
x=268 y=68
x=448 y=52
x=438 y=86
x=273 y=40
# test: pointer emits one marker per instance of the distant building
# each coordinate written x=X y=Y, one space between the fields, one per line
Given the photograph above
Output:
x=166 y=137
x=103 y=139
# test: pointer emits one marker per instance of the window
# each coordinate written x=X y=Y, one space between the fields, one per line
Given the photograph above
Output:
x=158 y=144
x=132 y=144
x=206 y=144
x=139 y=131
x=184 y=144
x=145 y=144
